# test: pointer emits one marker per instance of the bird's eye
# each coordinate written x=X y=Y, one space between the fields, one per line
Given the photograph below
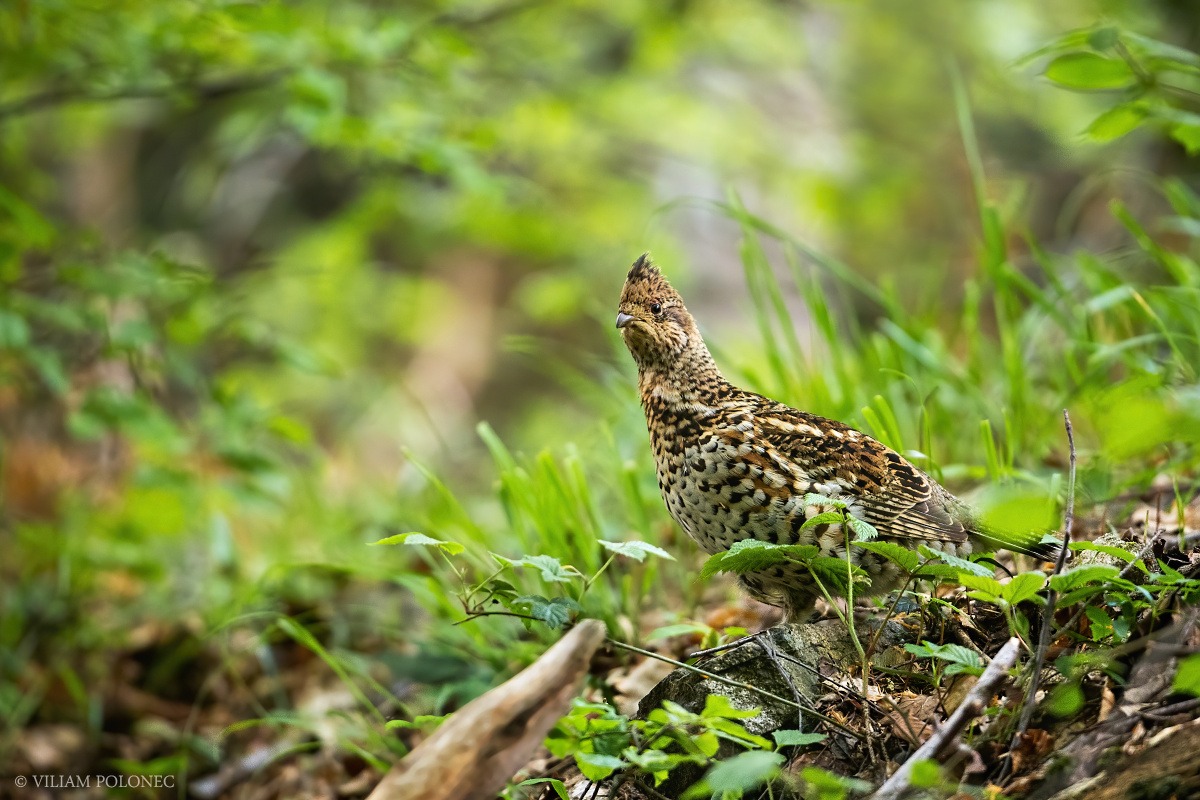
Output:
x=656 y=308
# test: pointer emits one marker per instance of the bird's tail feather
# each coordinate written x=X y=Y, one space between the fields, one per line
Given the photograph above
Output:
x=1043 y=545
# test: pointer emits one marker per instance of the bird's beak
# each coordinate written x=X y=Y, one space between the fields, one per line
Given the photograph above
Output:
x=623 y=319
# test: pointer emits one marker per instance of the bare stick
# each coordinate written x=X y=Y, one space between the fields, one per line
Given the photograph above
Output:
x=948 y=733
x=1039 y=657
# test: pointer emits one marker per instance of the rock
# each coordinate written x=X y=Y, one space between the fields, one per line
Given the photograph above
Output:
x=811 y=656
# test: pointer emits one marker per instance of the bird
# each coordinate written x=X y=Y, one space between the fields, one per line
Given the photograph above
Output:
x=733 y=465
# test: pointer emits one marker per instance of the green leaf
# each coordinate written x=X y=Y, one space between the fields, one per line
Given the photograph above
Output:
x=987 y=589
x=836 y=572
x=797 y=738
x=1023 y=587
x=961 y=659
x=825 y=518
x=559 y=788
x=597 y=766
x=1187 y=677
x=739 y=773
x=863 y=530
x=1103 y=38
x=813 y=499
x=962 y=564
x=1188 y=136
x=421 y=722
x=732 y=731
x=905 y=558
x=1089 y=71
x=555 y=613
x=636 y=550
x=1080 y=576
x=830 y=785
x=718 y=705
x=414 y=538
x=551 y=568
x=926 y=774
x=750 y=555
x=49 y=368
x=1066 y=699
x=1116 y=122
x=14 y=331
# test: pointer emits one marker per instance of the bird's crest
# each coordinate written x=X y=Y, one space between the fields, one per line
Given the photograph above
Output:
x=646 y=284
x=643 y=269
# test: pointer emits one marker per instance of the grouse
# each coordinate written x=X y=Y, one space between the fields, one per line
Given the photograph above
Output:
x=734 y=465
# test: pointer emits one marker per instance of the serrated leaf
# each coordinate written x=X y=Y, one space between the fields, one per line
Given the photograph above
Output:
x=1089 y=71
x=962 y=659
x=813 y=499
x=551 y=568
x=833 y=572
x=1023 y=587
x=500 y=589
x=825 y=518
x=555 y=613
x=863 y=530
x=420 y=539
x=1081 y=576
x=636 y=550
x=985 y=588
x=900 y=555
x=968 y=567
x=937 y=571
x=797 y=738
x=751 y=555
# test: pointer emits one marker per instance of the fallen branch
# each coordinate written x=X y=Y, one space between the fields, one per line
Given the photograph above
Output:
x=478 y=749
x=977 y=700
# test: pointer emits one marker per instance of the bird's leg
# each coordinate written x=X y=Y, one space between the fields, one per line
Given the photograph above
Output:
x=767 y=643
x=721 y=648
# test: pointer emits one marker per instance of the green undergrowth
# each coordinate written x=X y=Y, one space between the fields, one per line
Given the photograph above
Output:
x=232 y=547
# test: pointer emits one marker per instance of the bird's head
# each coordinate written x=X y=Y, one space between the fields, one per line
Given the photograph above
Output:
x=656 y=327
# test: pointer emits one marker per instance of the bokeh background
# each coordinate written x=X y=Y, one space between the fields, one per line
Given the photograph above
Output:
x=268 y=267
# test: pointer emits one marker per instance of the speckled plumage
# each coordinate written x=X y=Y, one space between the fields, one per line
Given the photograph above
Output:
x=735 y=465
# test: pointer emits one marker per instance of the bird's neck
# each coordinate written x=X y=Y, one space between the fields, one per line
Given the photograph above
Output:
x=692 y=380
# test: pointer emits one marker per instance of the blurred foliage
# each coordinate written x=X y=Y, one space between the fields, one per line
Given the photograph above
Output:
x=266 y=267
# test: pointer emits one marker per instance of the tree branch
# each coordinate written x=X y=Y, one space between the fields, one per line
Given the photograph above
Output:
x=977 y=700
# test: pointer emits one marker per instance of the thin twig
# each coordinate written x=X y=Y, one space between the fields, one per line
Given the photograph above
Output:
x=977 y=700
x=1039 y=657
